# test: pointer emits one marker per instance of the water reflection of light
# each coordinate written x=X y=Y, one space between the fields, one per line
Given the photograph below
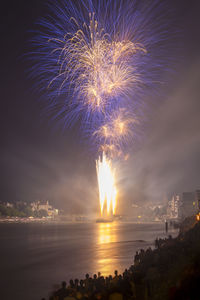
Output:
x=106 y=233
x=107 y=252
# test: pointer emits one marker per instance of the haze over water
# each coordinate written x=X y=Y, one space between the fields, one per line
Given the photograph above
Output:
x=35 y=257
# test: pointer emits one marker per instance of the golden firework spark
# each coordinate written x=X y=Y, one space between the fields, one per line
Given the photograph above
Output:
x=116 y=131
x=96 y=65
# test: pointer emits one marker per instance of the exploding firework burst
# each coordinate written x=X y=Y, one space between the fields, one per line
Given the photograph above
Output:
x=93 y=57
x=116 y=132
x=98 y=62
x=96 y=66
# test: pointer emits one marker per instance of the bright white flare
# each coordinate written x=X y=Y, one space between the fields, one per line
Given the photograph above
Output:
x=107 y=187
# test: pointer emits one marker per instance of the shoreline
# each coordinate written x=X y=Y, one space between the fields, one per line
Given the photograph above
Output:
x=60 y=221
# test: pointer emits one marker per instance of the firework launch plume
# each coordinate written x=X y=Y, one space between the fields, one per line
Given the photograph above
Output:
x=107 y=185
x=98 y=61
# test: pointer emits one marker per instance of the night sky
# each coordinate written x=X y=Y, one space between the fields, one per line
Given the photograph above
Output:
x=41 y=162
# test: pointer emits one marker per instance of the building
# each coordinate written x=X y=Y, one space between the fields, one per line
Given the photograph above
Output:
x=188 y=205
x=8 y=204
x=39 y=205
x=197 y=199
x=173 y=209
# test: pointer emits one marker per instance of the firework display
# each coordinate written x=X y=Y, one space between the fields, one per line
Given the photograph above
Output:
x=97 y=62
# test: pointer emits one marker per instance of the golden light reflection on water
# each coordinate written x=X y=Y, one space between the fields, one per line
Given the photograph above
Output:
x=107 y=252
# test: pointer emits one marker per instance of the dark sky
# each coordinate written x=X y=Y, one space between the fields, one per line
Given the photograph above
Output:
x=38 y=161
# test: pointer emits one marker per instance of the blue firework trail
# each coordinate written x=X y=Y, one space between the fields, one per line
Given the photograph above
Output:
x=98 y=62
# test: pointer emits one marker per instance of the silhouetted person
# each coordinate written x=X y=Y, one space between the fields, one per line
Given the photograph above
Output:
x=86 y=281
x=71 y=284
x=76 y=281
x=115 y=278
x=166 y=226
x=81 y=288
x=62 y=292
x=136 y=258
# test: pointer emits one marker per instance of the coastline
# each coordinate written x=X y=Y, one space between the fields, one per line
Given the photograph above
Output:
x=25 y=220
x=65 y=221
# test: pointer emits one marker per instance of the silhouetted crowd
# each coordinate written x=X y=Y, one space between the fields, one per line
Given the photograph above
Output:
x=170 y=271
x=96 y=287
